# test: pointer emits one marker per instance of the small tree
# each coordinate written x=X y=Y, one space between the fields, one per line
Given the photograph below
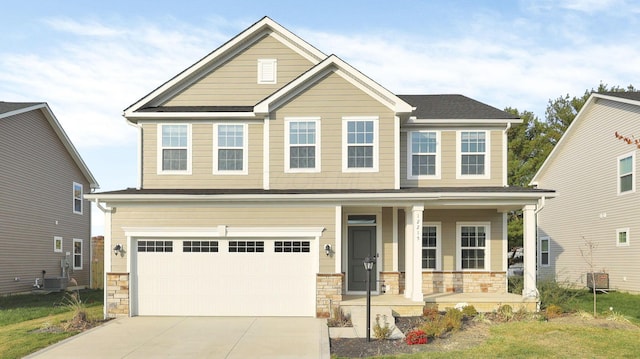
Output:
x=587 y=255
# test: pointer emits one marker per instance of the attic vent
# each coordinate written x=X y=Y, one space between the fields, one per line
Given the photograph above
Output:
x=267 y=71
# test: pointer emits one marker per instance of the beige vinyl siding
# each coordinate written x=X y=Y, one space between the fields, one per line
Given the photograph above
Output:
x=584 y=174
x=449 y=162
x=235 y=83
x=331 y=99
x=36 y=193
x=449 y=219
x=387 y=239
x=229 y=216
x=202 y=175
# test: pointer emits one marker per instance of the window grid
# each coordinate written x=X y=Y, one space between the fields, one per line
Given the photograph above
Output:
x=155 y=246
x=246 y=246
x=174 y=150
x=200 y=246
x=626 y=174
x=423 y=153
x=77 y=198
x=473 y=151
x=292 y=246
x=429 y=247
x=360 y=141
x=544 y=251
x=473 y=243
x=77 y=254
x=230 y=147
x=302 y=144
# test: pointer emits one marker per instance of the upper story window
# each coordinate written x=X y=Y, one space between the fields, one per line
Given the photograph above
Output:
x=622 y=237
x=77 y=198
x=174 y=148
x=267 y=71
x=431 y=246
x=544 y=251
x=424 y=155
x=626 y=173
x=230 y=149
x=473 y=154
x=473 y=246
x=360 y=144
x=302 y=152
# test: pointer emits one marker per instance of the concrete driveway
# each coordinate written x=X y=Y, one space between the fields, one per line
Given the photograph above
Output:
x=197 y=337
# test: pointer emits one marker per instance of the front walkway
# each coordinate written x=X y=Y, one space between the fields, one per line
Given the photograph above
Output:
x=198 y=337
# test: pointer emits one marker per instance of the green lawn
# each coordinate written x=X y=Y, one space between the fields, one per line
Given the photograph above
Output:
x=23 y=318
x=625 y=304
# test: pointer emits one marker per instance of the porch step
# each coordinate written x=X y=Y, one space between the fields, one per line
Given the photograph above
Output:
x=483 y=302
x=359 y=320
x=399 y=305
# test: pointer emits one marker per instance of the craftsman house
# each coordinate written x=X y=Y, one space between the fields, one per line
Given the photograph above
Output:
x=595 y=175
x=45 y=223
x=269 y=171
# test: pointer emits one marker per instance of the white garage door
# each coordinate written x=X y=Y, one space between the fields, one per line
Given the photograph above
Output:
x=247 y=277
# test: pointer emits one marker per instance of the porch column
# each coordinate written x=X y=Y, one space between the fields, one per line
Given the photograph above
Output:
x=413 y=251
x=529 y=244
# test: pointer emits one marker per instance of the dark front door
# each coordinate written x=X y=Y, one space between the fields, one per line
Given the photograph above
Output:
x=362 y=244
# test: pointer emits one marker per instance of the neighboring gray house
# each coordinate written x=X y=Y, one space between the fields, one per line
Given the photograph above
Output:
x=594 y=174
x=45 y=223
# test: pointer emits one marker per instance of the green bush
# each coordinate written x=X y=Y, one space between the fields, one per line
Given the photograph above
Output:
x=453 y=319
x=383 y=331
x=560 y=294
x=469 y=311
x=553 y=311
x=516 y=285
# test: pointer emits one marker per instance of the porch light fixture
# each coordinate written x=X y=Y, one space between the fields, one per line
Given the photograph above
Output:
x=368 y=265
x=118 y=249
x=327 y=249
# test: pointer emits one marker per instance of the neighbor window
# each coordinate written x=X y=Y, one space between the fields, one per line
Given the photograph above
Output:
x=57 y=244
x=360 y=144
x=230 y=149
x=423 y=155
x=473 y=155
x=473 y=246
x=622 y=237
x=77 y=198
x=626 y=173
x=544 y=251
x=77 y=253
x=267 y=71
x=302 y=152
x=431 y=246
x=174 y=153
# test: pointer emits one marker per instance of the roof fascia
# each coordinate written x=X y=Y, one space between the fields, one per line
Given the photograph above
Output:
x=62 y=135
x=223 y=53
x=346 y=71
x=465 y=122
x=141 y=116
x=558 y=147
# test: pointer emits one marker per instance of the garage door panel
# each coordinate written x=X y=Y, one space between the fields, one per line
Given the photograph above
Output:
x=222 y=283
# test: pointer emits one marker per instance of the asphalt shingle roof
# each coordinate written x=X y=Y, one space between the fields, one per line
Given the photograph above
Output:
x=450 y=107
x=13 y=106
x=626 y=95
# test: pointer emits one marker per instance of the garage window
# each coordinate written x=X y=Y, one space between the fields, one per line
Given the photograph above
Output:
x=199 y=246
x=292 y=246
x=246 y=246
x=155 y=246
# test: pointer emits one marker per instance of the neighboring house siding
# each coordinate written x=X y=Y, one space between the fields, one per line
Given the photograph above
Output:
x=235 y=82
x=232 y=216
x=202 y=175
x=331 y=99
x=449 y=161
x=588 y=207
x=36 y=184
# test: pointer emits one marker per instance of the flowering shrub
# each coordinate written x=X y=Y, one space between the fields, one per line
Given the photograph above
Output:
x=416 y=337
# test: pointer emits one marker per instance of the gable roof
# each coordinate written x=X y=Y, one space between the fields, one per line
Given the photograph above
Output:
x=8 y=109
x=223 y=53
x=348 y=72
x=444 y=108
x=631 y=98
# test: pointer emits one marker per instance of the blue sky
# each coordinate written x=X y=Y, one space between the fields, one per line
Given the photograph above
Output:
x=91 y=59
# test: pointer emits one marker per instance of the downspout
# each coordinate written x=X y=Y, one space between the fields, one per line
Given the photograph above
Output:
x=505 y=153
x=139 y=154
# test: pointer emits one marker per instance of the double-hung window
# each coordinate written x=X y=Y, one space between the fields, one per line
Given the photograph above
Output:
x=230 y=149
x=302 y=151
x=544 y=251
x=626 y=173
x=77 y=253
x=174 y=148
x=424 y=155
x=473 y=246
x=77 y=198
x=622 y=237
x=360 y=144
x=473 y=154
x=431 y=246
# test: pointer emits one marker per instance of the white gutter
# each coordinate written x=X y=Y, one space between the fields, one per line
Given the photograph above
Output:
x=505 y=154
x=541 y=204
